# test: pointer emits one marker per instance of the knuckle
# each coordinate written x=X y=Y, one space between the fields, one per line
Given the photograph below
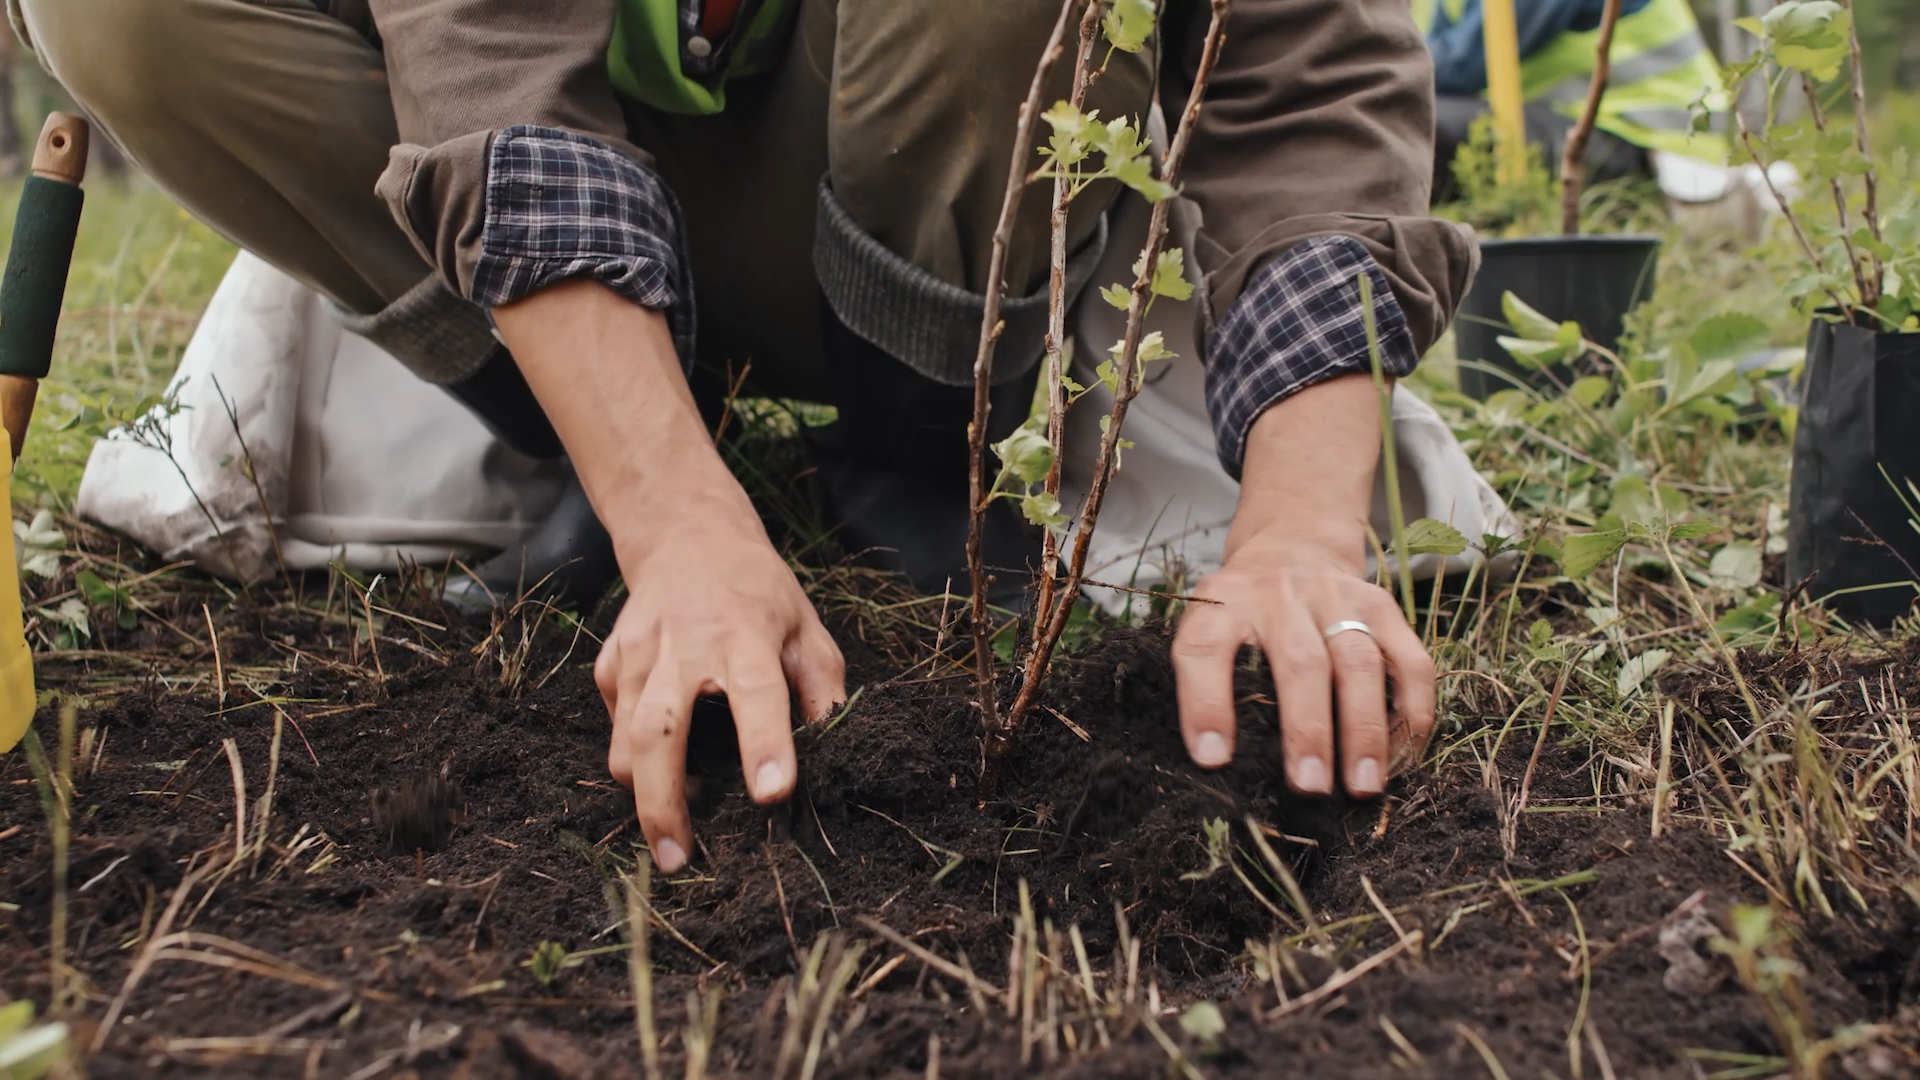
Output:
x=1359 y=657
x=1203 y=637
x=1299 y=663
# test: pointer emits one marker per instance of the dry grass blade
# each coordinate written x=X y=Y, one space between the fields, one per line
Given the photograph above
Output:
x=1176 y=1058
x=223 y=952
x=239 y=774
x=933 y=960
x=1486 y=1052
x=1295 y=895
x=1342 y=980
x=143 y=960
x=640 y=965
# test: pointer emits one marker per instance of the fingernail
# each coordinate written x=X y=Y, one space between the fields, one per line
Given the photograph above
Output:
x=1210 y=750
x=1366 y=777
x=768 y=781
x=668 y=856
x=1310 y=776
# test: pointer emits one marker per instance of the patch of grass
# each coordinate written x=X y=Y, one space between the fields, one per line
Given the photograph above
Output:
x=142 y=272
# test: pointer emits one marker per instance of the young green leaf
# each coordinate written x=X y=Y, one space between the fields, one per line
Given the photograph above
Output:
x=1043 y=509
x=1117 y=295
x=1585 y=551
x=1808 y=35
x=1637 y=670
x=1425 y=536
x=1026 y=453
x=1736 y=566
x=1170 y=275
x=1128 y=24
x=1526 y=322
x=1727 y=335
x=1137 y=173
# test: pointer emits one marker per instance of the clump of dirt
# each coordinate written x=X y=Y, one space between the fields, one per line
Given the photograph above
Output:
x=362 y=943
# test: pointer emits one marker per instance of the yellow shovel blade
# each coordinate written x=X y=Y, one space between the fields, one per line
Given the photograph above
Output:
x=16 y=663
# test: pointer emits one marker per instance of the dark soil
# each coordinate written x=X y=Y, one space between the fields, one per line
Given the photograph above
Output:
x=891 y=823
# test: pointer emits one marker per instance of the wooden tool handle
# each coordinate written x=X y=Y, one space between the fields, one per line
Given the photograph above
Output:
x=60 y=155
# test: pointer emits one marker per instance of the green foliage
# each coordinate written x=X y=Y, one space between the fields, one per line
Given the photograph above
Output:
x=1426 y=536
x=1866 y=265
x=1492 y=206
x=37 y=546
x=142 y=272
x=29 y=1051
x=1128 y=24
x=546 y=962
x=1120 y=143
x=1805 y=35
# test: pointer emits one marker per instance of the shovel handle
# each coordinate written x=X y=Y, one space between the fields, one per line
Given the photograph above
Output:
x=36 y=273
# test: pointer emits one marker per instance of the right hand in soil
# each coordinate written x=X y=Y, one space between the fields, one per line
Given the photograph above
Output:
x=1293 y=570
x=711 y=611
x=712 y=608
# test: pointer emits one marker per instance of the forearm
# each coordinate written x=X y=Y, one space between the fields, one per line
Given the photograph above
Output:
x=1308 y=475
x=605 y=371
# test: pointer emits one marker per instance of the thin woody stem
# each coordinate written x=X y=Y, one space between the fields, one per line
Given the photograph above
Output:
x=1053 y=621
x=1057 y=313
x=1869 y=295
x=1572 y=172
x=990 y=327
x=1786 y=208
x=1839 y=192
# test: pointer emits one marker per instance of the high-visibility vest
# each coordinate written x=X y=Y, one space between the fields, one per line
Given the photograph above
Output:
x=1660 y=65
x=644 y=54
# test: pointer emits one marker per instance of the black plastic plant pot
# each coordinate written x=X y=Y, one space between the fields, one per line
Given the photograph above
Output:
x=1592 y=280
x=1851 y=528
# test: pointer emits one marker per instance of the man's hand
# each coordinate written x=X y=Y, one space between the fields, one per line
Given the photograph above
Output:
x=1293 y=569
x=711 y=607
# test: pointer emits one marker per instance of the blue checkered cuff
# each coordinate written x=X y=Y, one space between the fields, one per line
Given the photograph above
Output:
x=561 y=206
x=1298 y=322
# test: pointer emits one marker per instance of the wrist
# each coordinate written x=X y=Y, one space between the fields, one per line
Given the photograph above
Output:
x=1307 y=478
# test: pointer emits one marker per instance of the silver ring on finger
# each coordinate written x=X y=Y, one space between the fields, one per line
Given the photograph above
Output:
x=1344 y=625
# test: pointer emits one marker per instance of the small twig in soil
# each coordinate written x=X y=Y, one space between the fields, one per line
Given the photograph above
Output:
x=1295 y=895
x=968 y=979
x=143 y=959
x=1341 y=980
x=1385 y=911
x=1572 y=168
x=780 y=891
x=1510 y=836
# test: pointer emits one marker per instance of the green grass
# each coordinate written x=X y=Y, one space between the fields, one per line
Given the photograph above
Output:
x=143 y=270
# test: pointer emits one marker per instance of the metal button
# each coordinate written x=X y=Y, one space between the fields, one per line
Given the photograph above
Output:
x=699 y=46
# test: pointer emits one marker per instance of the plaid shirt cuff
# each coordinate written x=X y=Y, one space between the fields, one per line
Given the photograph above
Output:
x=561 y=206
x=1298 y=322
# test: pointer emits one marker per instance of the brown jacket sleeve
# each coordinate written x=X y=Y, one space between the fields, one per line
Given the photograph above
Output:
x=461 y=70
x=1318 y=120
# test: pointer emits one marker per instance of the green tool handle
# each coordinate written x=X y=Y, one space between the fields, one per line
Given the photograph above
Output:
x=37 y=263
